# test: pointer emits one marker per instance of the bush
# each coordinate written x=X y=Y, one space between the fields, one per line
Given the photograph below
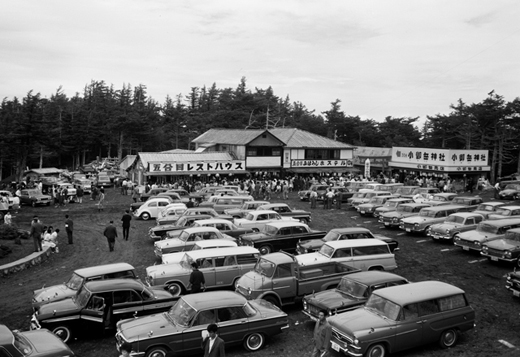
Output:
x=8 y=232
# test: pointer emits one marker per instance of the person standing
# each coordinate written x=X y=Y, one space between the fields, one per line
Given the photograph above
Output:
x=79 y=194
x=8 y=219
x=69 y=228
x=190 y=204
x=330 y=198
x=36 y=234
x=213 y=345
x=339 y=199
x=313 y=197
x=197 y=280
x=101 y=200
x=322 y=333
x=110 y=233
x=126 y=224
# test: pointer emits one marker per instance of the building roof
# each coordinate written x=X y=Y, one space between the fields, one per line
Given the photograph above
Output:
x=177 y=151
x=158 y=157
x=291 y=137
x=46 y=171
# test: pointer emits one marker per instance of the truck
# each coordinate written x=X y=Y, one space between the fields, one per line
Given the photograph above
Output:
x=280 y=280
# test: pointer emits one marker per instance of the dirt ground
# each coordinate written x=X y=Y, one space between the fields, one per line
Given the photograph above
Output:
x=419 y=258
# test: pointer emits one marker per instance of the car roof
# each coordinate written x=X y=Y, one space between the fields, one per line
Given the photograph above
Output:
x=350 y=230
x=103 y=269
x=502 y=222
x=214 y=299
x=373 y=277
x=197 y=209
x=416 y=292
x=114 y=284
x=192 y=230
x=215 y=242
x=281 y=224
x=466 y=214
x=212 y=221
x=354 y=243
x=415 y=204
x=262 y=212
x=399 y=199
x=493 y=203
x=443 y=207
x=510 y=207
x=220 y=252
x=274 y=205
x=6 y=336
x=278 y=258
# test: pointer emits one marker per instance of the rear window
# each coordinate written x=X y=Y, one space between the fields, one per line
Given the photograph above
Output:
x=452 y=302
x=371 y=250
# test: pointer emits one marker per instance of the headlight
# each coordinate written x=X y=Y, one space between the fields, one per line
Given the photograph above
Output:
x=477 y=244
x=508 y=254
x=305 y=306
x=395 y=219
x=356 y=341
x=416 y=225
x=447 y=231
x=484 y=249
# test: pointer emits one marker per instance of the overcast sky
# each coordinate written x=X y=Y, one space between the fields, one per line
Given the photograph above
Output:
x=380 y=57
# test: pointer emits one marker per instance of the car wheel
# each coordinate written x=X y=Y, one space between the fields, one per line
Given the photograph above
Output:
x=254 y=342
x=428 y=231
x=145 y=216
x=377 y=350
x=265 y=249
x=156 y=352
x=33 y=203
x=449 y=338
x=175 y=289
x=272 y=300
x=63 y=332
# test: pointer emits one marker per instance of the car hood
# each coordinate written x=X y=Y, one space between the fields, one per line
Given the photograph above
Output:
x=45 y=343
x=146 y=327
x=476 y=236
x=172 y=258
x=172 y=242
x=504 y=244
x=254 y=281
x=166 y=269
x=507 y=192
x=53 y=293
x=358 y=320
x=312 y=244
x=58 y=308
x=311 y=259
x=416 y=219
x=446 y=225
x=368 y=205
x=333 y=299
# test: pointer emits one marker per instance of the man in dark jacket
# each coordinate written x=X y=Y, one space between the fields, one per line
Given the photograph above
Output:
x=126 y=224
x=36 y=234
x=212 y=345
x=111 y=234
x=69 y=228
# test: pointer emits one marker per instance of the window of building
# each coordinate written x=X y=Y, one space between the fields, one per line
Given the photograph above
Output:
x=264 y=151
x=322 y=154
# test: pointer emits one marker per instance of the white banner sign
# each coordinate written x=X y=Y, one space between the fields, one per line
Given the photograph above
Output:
x=321 y=163
x=444 y=157
x=211 y=166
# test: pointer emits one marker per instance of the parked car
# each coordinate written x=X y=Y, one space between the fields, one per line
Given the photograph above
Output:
x=79 y=277
x=168 y=231
x=428 y=216
x=503 y=212
x=370 y=207
x=352 y=292
x=246 y=207
x=175 y=258
x=391 y=206
x=103 y=181
x=393 y=218
x=455 y=223
x=363 y=254
x=279 y=236
x=356 y=201
x=256 y=220
x=442 y=198
x=205 y=192
x=40 y=343
x=513 y=283
x=186 y=239
x=221 y=203
x=221 y=268
x=405 y=191
x=184 y=195
x=487 y=208
x=240 y=322
x=284 y=210
x=207 y=211
x=34 y=198
x=388 y=321
x=99 y=305
x=486 y=231
x=153 y=192
x=505 y=249
x=304 y=195
x=337 y=234
x=470 y=202
x=224 y=226
x=370 y=186
x=152 y=207
x=84 y=183
x=392 y=187
x=510 y=192
x=426 y=192
x=172 y=210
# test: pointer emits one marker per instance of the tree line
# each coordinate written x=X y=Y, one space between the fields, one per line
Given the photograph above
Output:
x=104 y=121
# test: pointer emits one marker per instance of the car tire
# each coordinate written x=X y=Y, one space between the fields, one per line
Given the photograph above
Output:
x=254 y=342
x=63 y=332
x=427 y=231
x=145 y=216
x=265 y=249
x=377 y=350
x=175 y=289
x=272 y=300
x=449 y=338
x=48 y=203
x=156 y=352
x=518 y=262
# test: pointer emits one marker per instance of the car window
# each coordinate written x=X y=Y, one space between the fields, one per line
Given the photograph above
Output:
x=299 y=230
x=247 y=259
x=163 y=203
x=205 y=263
x=428 y=307
x=152 y=204
x=126 y=296
x=342 y=253
x=452 y=302
x=221 y=226
x=283 y=271
x=371 y=250
x=204 y=318
x=284 y=231
x=469 y=221
x=229 y=261
x=478 y=219
x=231 y=313
x=261 y=217
x=120 y=275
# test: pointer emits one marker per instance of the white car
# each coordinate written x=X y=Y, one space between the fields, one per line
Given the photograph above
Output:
x=152 y=207
x=256 y=220
x=172 y=258
x=364 y=254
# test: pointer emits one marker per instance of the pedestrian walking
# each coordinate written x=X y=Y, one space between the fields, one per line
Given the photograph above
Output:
x=110 y=233
x=79 y=194
x=197 y=280
x=36 y=234
x=322 y=333
x=212 y=344
x=69 y=228
x=126 y=224
x=135 y=194
x=313 y=197
x=101 y=201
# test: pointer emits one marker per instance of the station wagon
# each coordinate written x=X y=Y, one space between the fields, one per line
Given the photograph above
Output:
x=393 y=218
x=503 y=212
x=428 y=216
x=486 y=231
x=455 y=224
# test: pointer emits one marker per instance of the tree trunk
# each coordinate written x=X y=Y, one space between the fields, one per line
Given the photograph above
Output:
x=41 y=156
x=120 y=146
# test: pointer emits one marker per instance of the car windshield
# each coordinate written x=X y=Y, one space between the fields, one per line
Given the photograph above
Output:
x=249 y=310
x=503 y=211
x=455 y=219
x=487 y=228
x=186 y=261
x=459 y=201
x=265 y=267
x=370 y=194
x=75 y=282
x=427 y=213
x=33 y=192
x=326 y=250
x=182 y=313
x=382 y=307
x=184 y=236
x=439 y=198
x=514 y=236
x=331 y=236
x=352 y=288
x=21 y=344
x=82 y=297
x=405 y=190
x=269 y=229
x=359 y=195
x=485 y=207
x=391 y=204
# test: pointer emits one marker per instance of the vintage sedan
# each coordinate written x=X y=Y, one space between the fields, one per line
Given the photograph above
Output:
x=284 y=210
x=304 y=195
x=152 y=207
x=389 y=321
x=352 y=292
x=98 y=305
x=370 y=207
x=34 y=198
x=31 y=343
x=256 y=220
x=79 y=277
x=391 y=206
x=172 y=210
x=486 y=231
x=471 y=203
x=208 y=211
x=506 y=249
x=224 y=226
x=335 y=234
x=442 y=198
x=510 y=192
x=366 y=197
x=455 y=223
x=246 y=207
x=428 y=216
x=181 y=329
x=393 y=218
x=503 y=212
x=168 y=231
x=513 y=283
x=175 y=258
x=187 y=239
x=279 y=236
x=487 y=208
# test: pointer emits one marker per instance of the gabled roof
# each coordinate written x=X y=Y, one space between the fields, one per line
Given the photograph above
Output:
x=291 y=137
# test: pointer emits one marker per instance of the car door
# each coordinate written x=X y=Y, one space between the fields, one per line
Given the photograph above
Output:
x=284 y=282
x=97 y=312
x=232 y=324
x=344 y=255
x=192 y=336
x=207 y=267
x=127 y=303
x=282 y=240
x=226 y=270
x=408 y=329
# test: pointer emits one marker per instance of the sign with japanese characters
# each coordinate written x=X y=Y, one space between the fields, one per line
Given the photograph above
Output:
x=321 y=163
x=206 y=167
x=440 y=157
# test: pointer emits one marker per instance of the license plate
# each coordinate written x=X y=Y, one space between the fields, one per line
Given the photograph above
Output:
x=387 y=224
x=334 y=346
x=516 y=293
x=495 y=259
x=408 y=230
x=465 y=248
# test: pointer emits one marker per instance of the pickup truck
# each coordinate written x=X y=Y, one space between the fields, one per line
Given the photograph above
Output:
x=279 y=236
x=284 y=210
x=278 y=279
